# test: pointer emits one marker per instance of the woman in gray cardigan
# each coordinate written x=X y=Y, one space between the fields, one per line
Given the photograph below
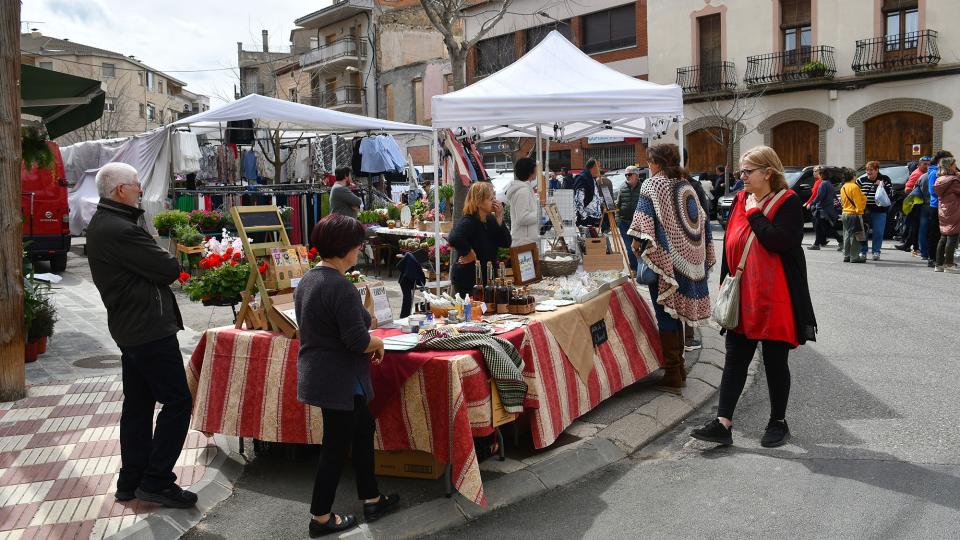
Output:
x=333 y=372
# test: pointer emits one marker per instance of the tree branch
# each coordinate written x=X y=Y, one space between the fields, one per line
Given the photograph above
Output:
x=488 y=25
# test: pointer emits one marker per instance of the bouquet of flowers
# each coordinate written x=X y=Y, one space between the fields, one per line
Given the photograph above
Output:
x=206 y=220
x=355 y=277
x=428 y=216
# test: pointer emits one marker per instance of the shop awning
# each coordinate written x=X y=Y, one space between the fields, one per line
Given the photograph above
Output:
x=62 y=101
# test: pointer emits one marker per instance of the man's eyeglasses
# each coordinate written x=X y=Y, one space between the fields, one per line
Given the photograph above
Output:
x=139 y=186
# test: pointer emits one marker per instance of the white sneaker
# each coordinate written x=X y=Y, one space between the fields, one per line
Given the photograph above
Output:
x=938 y=269
x=951 y=269
x=876 y=256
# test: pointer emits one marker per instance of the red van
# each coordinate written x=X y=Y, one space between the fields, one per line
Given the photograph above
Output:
x=46 y=215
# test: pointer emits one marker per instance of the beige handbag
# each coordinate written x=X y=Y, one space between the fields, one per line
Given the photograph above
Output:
x=726 y=310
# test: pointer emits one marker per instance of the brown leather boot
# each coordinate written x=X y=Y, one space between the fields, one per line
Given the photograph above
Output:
x=673 y=371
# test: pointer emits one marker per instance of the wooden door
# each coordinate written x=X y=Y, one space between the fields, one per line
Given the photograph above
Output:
x=708 y=29
x=891 y=136
x=704 y=151
x=797 y=143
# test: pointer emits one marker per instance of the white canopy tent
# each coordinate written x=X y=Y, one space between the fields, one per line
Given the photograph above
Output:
x=527 y=95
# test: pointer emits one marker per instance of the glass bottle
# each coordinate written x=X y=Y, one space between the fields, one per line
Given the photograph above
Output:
x=490 y=291
x=503 y=292
x=477 y=293
x=531 y=303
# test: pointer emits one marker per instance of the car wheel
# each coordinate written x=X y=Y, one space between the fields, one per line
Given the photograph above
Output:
x=58 y=263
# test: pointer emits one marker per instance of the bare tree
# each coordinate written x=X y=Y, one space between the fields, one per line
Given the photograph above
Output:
x=447 y=17
x=733 y=116
x=12 y=374
x=277 y=160
x=117 y=110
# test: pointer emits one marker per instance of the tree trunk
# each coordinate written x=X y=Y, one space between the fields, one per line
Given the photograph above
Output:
x=12 y=376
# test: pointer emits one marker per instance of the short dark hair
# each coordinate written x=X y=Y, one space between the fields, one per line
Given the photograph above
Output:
x=342 y=172
x=564 y=170
x=940 y=155
x=524 y=168
x=721 y=168
x=591 y=163
x=335 y=235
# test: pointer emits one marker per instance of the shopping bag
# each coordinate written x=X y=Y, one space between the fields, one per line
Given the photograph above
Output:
x=881 y=196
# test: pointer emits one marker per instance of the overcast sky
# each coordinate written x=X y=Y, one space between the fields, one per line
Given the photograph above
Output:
x=170 y=35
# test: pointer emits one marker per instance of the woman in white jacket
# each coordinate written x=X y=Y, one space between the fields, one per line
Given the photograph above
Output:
x=524 y=212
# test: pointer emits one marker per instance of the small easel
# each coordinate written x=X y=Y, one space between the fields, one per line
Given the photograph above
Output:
x=255 y=219
x=618 y=244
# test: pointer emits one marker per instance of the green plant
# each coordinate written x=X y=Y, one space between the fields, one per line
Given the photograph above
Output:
x=446 y=192
x=226 y=282
x=206 y=220
x=228 y=221
x=44 y=318
x=188 y=235
x=814 y=66
x=393 y=212
x=168 y=220
x=419 y=209
x=34 y=147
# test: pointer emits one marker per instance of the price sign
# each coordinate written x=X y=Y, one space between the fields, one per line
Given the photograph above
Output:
x=598 y=331
x=381 y=304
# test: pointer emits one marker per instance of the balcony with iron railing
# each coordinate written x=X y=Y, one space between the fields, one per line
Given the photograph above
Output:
x=335 y=55
x=247 y=88
x=344 y=97
x=707 y=78
x=894 y=52
x=805 y=63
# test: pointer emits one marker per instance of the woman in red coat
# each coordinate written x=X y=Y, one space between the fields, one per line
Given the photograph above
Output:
x=775 y=306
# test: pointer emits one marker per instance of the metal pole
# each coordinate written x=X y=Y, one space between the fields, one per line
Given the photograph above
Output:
x=680 y=138
x=436 y=208
x=540 y=182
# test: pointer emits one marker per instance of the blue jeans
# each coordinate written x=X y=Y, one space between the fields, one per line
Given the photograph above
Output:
x=627 y=240
x=922 y=234
x=878 y=222
x=665 y=323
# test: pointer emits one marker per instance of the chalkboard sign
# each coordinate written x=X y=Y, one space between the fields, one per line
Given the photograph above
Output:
x=598 y=331
x=266 y=218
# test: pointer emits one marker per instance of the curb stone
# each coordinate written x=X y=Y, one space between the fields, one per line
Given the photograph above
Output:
x=215 y=486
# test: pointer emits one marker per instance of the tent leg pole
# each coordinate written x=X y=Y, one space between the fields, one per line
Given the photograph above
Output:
x=540 y=182
x=436 y=208
x=680 y=138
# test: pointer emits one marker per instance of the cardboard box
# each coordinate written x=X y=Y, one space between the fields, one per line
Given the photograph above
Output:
x=282 y=321
x=602 y=262
x=407 y=464
x=499 y=415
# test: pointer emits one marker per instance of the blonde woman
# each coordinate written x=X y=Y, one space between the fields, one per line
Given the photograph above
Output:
x=477 y=236
x=775 y=306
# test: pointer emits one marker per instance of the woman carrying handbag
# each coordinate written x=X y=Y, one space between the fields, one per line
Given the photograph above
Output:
x=763 y=256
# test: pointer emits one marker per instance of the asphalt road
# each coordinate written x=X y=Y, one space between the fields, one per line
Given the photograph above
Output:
x=874 y=414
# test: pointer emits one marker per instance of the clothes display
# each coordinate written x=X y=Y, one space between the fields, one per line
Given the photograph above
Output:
x=378 y=154
x=186 y=152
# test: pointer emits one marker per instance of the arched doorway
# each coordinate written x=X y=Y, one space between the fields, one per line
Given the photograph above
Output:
x=704 y=151
x=797 y=143
x=891 y=136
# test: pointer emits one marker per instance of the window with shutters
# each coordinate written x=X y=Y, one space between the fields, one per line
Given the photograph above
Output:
x=795 y=27
x=610 y=29
x=109 y=71
x=494 y=54
x=901 y=26
x=536 y=35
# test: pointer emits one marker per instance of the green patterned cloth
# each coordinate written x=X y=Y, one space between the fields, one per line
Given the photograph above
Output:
x=502 y=359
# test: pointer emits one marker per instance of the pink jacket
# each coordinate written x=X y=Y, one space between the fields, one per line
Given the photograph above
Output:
x=947 y=188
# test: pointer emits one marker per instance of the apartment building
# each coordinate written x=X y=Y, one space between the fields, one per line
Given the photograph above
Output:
x=820 y=81
x=258 y=67
x=613 y=32
x=138 y=97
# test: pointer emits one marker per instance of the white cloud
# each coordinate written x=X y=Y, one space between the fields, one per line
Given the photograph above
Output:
x=174 y=35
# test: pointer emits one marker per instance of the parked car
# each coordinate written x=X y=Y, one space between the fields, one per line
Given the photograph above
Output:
x=46 y=215
x=899 y=172
x=798 y=179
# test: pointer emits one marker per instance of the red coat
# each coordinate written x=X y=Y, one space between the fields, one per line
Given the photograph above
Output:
x=947 y=189
x=766 y=310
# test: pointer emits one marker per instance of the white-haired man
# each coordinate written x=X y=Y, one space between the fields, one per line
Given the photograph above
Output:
x=133 y=275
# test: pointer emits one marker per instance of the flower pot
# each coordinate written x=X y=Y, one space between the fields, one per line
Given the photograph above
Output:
x=446 y=226
x=42 y=345
x=30 y=350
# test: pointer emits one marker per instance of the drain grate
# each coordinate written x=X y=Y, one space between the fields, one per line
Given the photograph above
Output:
x=98 y=362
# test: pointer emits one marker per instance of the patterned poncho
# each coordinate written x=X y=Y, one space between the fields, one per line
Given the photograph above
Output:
x=679 y=246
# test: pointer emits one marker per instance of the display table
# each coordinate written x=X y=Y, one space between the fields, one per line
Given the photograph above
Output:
x=400 y=231
x=245 y=384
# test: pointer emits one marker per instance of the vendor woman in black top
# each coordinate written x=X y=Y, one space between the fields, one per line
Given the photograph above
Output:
x=477 y=236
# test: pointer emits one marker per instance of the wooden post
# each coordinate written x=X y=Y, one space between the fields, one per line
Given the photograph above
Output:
x=12 y=374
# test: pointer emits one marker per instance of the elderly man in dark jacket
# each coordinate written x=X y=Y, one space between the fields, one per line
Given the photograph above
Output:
x=133 y=275
x=626 y=206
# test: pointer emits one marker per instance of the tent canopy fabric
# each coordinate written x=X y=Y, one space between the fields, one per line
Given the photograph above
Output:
x=592 y=98
x=62 y=101
x=274 y=113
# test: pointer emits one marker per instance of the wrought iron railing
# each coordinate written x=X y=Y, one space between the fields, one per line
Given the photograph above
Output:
x=796 y=65
x=707 y=78
x=344 y=95
x=897 y=51
x=341 y=48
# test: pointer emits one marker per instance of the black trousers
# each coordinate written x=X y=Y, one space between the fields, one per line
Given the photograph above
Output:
x=740 y=351
x=910 y=237
x=933 y=230
x=821 y=228
x=152 y=373
x=343 y=431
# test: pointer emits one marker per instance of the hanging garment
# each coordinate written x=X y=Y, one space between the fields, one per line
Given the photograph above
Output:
x=459 y=159
x=356 y=162
x=388 y=146
x=248 y=165
x=186 y=152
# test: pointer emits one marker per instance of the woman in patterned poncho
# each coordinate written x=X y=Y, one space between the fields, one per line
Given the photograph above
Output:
x=673 y=239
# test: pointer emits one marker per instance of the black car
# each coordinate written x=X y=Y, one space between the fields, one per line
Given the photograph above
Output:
x=899 y=173
x=799 y=179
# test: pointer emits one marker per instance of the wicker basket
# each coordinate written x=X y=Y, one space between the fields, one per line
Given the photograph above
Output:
x=558 y=268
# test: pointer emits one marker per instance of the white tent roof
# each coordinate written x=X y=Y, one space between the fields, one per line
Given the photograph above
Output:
x=289 y=115
x=557 y=84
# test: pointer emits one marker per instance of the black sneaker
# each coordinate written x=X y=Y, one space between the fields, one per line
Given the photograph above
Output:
x=813 y=247
x=318 y=529
x=715 y=432
x=777 y=434
x=172 y=497
x=124 y=495
x=386 y=504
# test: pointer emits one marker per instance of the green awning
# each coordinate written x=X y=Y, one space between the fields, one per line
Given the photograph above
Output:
x=64 y=102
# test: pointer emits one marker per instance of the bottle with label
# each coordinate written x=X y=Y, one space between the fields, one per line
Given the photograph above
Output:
x=490 y=291
x=477 y=293
x=503 y=292
x=531 y=303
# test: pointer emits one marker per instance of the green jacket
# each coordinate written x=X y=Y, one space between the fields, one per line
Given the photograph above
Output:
x=133 y=275
x=627 y=202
